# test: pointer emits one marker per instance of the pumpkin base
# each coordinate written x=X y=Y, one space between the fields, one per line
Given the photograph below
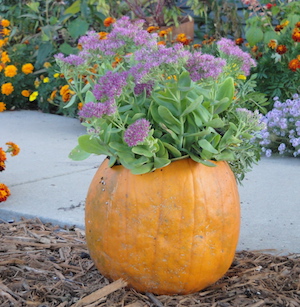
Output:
x=159 y=236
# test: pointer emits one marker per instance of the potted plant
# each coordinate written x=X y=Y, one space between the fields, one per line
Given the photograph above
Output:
x=162 y=211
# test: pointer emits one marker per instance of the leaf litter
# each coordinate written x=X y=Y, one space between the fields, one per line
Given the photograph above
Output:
x=44 y=265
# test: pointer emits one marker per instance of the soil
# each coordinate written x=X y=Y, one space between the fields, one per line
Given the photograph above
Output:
x=45 y=265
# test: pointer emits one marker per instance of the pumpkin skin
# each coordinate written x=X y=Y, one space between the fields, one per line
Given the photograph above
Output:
x=171 y=231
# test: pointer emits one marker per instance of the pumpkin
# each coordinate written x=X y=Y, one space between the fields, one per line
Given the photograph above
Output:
x=171 y=231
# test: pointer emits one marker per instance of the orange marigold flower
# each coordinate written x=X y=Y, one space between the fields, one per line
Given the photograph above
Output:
x=196 y=46
x=278 y=28
x=272 y=43
x=298 y=57
x=254 y=48
x=5 y=57
x=163 y=33
x=80 y=105
x=239 y=41
x=2 y=43
x=116 y=62
x=10 y=71
x=108 y=21
x=25 y=93
x=161 y=43
x=5 y=23
x=4 y=192
x=2 y=155
x=294 y=64
x=13 y=148
x=2 y=106
x=281 y=49
x=53 y=95
x=297 y=25
x=152 y=29
x=5 y=32
x=7 y=88
x=27 y=68
x=64 y=89
x=180 y=36
x=296 y=35
x=102 y=35
x=2 y=166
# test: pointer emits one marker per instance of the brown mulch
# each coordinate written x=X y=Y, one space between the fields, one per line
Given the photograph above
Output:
x=44 y=265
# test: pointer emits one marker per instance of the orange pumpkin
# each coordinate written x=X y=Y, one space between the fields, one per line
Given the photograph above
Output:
x=171 y=231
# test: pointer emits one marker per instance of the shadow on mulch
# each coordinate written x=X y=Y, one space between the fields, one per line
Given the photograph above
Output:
x=44 y=265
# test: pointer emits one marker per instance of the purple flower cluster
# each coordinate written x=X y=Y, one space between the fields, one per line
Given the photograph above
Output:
x=282 y=133
x=110 y=85
x=202 y=66
x=71 y=59
x=97 y=109
x=141 y=87
x=124 y=33
x=137 y=132
x=229 y=48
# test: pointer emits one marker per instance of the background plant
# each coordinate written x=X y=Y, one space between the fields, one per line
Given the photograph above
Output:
x=282 y=132
x=273 y=34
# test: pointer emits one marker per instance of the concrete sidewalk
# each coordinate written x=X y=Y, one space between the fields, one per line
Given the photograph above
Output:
x=45 y=183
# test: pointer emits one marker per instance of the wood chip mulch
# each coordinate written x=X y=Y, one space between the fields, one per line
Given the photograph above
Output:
x=44 y=265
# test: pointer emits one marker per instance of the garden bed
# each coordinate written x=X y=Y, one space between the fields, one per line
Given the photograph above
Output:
x=45 y=265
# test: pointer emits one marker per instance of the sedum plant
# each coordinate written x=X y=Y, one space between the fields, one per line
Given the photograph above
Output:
x=146 y=104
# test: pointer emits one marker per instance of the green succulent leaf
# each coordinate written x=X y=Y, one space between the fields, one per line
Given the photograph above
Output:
x=192 y=106
x=207 y=146
x=92 y=145
x=161 y=162
x=89 y=97
x=142 y=150
x=146 y=168
x=173 y=150
x=77 y=154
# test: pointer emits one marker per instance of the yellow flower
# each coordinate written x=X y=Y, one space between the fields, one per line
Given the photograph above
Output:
x=47 y=65
x=46 y=80
x=7 y=88
x=2 y=106
x=25 y=93
x=285 y=23
x=56 y=75
x=13 y=148
x=10 y=71
x=27 y=68
x=5 y=23
x=241 y=77
x=4 y=57
x=33 y=96
x=80 y=105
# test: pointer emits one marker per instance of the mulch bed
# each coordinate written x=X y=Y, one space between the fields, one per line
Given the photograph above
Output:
x=44 y=265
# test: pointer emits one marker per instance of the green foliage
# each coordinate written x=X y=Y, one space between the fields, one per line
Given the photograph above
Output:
x=270 y=34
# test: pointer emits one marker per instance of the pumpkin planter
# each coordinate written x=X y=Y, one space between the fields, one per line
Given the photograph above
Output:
x=171 y=231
